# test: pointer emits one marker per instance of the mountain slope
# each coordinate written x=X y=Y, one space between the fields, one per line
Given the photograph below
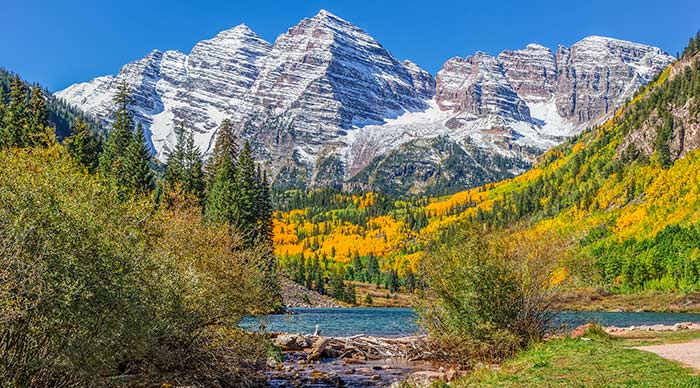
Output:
x=623 y=198
x=61 y=114
x=327 y=104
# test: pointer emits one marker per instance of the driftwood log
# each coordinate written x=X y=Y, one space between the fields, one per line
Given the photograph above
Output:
x=358 y=347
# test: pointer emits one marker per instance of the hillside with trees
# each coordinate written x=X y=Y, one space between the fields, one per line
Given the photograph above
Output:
x=622 y=196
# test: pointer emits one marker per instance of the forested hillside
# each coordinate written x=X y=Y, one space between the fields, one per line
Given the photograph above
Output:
x=60 y=114
x=624 y=195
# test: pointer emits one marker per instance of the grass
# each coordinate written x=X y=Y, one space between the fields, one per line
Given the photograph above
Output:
x=381 y=297
x=602 y=362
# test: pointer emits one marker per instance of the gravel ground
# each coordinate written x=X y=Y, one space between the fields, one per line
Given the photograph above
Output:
x=687 y=353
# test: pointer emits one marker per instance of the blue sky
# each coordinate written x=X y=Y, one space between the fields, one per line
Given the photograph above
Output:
x=57 y=43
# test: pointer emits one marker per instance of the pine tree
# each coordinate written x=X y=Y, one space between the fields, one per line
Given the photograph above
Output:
x=184 y=165
x=111 y=160
x=38 y=130
x=246 y=190
x=194 y=165
x=137 y=163
x=3 y=107
x=83 y=145
x=225 y=149
x=264 y=211
x=221 y=195
x=174 y=169
x=15 y=118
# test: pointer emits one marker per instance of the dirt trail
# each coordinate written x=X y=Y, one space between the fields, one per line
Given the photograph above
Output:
x=687 y=353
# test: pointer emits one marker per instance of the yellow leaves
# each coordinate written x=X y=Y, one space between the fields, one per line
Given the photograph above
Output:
x=367 y=200
x=631 y=218
x=577 y=147
x=558 y=276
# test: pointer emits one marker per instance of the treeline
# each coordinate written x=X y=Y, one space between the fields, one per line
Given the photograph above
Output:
x=667 y=262
x=109 y=270
x=693 y=46
x=332 y=278
x=61 y=115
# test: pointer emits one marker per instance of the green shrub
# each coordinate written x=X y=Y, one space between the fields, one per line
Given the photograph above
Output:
x=93 y=287
x=486 y=299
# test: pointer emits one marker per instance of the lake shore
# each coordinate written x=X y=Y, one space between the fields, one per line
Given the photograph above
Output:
x=581 y=299
x=369 y=361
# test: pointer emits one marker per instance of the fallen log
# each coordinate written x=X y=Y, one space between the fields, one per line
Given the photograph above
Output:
x=317 y=350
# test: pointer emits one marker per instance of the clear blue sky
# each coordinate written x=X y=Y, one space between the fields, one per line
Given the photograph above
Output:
x=57 y=43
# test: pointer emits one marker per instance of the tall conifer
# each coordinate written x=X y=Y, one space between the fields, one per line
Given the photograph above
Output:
x=184 y=165
x=38 y=131
x=83 y=145
x=247 y=190
x=225 y=148
x=15 y=118
x=137 y=163
x=111 y=160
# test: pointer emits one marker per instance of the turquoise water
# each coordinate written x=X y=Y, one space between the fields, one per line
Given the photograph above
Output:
x=396 y=322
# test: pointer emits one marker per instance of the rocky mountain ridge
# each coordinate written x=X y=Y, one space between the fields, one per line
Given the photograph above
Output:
x=327 y=104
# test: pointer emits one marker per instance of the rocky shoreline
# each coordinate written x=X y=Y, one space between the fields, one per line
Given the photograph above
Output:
x=295 y=295
x=357 y=361
x=367 y=361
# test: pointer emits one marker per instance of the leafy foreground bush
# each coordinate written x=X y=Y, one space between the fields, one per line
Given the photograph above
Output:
x=486 y=298
x=93 y=287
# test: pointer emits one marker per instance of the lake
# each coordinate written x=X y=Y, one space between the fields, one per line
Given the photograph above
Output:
x=396 y=322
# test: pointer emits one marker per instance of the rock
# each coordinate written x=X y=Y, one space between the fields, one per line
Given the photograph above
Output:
x=296 y=295
x=424 y=379
x=291 y=342
x=579 y=331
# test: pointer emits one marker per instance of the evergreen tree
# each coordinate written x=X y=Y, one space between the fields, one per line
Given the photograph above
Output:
x=264 y=211
x=221 y=195
x=15 y=118
x=3 y=107
x=246 y=194
x=225 y=149
x=83 y=145
x=184 y=165
x=38 y=131
x=137 y=163
x=175 y=167
x=112 y=158
x=194 y=167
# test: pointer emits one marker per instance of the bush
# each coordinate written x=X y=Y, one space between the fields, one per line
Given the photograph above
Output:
x=92 y=286
x=486 y=299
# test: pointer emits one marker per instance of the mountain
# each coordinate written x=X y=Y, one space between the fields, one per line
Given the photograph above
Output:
x=622 y=201
x=327 y=104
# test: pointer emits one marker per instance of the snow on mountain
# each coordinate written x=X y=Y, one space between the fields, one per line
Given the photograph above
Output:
x=329 y=74
x=328 y=104
x=198 y=90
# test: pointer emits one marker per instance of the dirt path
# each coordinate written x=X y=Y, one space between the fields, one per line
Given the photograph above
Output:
x=687 y=353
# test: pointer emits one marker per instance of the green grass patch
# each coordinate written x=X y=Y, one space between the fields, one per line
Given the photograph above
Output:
x=601 y=362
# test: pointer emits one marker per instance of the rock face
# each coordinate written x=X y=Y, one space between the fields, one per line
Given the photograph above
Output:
x=597 y=74
x=478 y=87
x=326 y=104
x=531 y=72
x=330 y=76
x=198 y=90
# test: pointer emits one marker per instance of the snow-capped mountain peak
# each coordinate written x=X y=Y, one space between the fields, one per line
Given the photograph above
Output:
x=328 y=104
